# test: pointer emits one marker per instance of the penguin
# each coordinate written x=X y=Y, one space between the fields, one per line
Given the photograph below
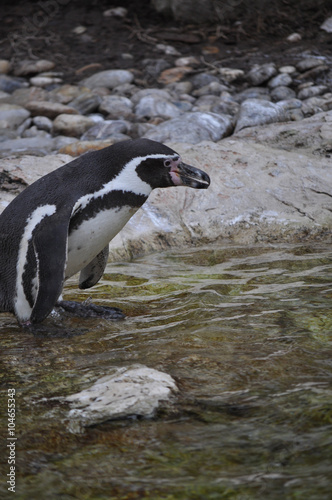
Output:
x=62 y=223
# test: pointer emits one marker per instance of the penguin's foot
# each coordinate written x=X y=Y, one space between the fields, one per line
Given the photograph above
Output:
x=89 y=310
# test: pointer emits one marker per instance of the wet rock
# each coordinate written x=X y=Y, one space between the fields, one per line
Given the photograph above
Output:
x=28 y=67
x=261 y=73
x=282 y=93
x=10 y=83
x=72 y=125
x=255 y=112
x=312 y=91
x=85 y=103
x=106 y=129
x=135 y=390
x=151 y=106
x=116 y=107
x=110 y=78
x=283 y=79
x=11 y=116
x=49 y=109
x=193 y=128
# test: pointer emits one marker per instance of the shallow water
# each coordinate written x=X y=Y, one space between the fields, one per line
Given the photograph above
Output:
x=246 y=333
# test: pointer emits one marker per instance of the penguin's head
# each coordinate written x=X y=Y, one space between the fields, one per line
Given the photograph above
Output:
x=163 y=167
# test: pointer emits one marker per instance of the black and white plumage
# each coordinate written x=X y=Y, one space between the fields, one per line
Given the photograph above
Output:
x=62 y=223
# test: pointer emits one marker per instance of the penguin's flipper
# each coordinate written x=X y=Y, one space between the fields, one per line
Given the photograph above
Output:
x=50 y=245
x=91 y=274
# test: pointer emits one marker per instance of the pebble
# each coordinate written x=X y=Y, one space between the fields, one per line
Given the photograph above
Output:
x=11 y=116
x=255 y=112
x=186 y=101
x=28 y=67
x=261 y=73
x=110 y=79
x=116 y=107
x=72 y=125
x=194 y=128
x=49 y=109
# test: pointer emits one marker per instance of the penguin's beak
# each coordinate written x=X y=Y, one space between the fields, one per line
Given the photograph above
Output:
x=190 y=176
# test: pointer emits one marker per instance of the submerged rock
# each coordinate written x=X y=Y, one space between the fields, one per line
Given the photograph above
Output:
x=135 y=390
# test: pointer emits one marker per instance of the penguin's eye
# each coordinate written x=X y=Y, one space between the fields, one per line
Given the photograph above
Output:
x=167 y=163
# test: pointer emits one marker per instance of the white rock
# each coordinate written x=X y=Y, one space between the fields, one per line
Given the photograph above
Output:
x=255 y=112
x=294 y=37
x=327 y=25
x=11 y=116
x=72 y=125
x=44 y=81
x=287 y=69
x=115 y=12
x=110 y=78
x=128 y=391
x=151 y=106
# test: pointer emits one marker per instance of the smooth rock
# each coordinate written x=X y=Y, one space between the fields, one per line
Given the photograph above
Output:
x=287 y=69
x=172 y=75
x=312 y=91
x=66 y=93
x=212 y=88
x=44 y=81
x=110 y=78
x=253 y=93
x=154 y=67
x=27 y=67
x=308 y=63
x=78 y=148
x=283 y=79
x=282 y=93
x=255 y=112
x=294 y=37
x=193 y=128
x=120 y=12
x=151 y=106
x=11 y=116
x=23 y=127
x=5 y=66
x=135 y=390
x=187 y=61
x=27 y=145
x=202 y=79
x=167 y=49
x=327 y=25
x=23 y=96
x=11 y=83
x=231 y=74
x=261 y=73
x=49 y=109
x=86 y=102
x=72 y=125
x=43 y=123
x=157 y=93
x=106 y=129
x=116 y=107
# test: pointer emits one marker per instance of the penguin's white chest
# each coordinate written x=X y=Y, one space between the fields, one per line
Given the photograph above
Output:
x=91 y=237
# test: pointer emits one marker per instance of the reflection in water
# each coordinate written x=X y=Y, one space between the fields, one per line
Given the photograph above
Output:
x=246 y=332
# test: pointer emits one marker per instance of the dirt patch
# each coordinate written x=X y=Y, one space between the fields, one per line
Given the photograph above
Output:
x=45 y=29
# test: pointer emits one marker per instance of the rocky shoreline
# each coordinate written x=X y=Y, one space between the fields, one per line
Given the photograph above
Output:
x=264 y=136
